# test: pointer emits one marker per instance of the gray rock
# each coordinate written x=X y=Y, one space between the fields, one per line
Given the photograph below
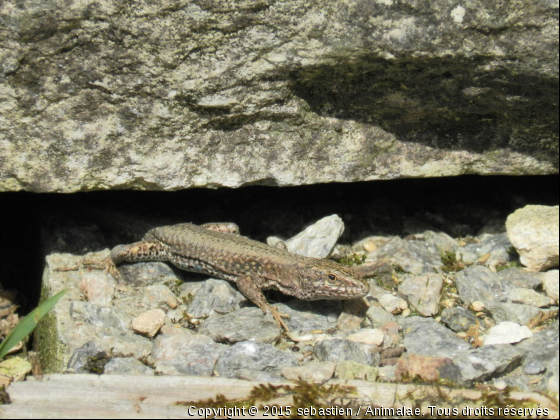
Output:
x=319 y=239
x=533 y=231
x=413 y=256
x=217 y=296
x=221 y=79
x=159 y=296
x=479 y=283
x=252 y=356
x=80 y=358
x=516 y=277
x=507 y=333
x=423 y=293
x=310 y=316
x=340 y=350
x=483 y=363
x=315 y=372
x=352 y=370
x=528 y=297
x=513 y=312
x=247 y=324
x=104 y=317
x=458 y=319
x=377 y=316
x=127 y=366
x=497 y=245
x=426 y=337
x=540 y=351
x=186 y=354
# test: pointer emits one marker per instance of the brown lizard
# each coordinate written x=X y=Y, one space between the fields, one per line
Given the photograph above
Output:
x=218 y=250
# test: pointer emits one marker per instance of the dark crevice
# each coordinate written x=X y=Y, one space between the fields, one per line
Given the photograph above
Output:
x=459 y=206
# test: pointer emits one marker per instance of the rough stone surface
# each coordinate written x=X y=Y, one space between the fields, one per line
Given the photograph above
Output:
x=317 y=372
x=215 y=296
x=173 y=95
x=247 y=324
x=491 y=248
x=339 y=350
x=426 y=337
x=458 y=319
x=479 y=283
x=253 y=356
x=149 y=322
x=507 y=333
x=317 y=240
x=353 y=370
x=423 y=293
x=185 y=354
x=126 y=366
x=425 y=368
x=512 y=312
x=528 y=297
x=480 y=364
x=533 y=231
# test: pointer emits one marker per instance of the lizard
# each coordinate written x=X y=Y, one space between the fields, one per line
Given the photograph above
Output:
x=218 y=250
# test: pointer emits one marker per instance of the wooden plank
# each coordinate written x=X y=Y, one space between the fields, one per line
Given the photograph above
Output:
x=146 y=397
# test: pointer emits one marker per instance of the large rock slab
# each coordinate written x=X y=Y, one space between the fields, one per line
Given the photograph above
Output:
x=169 y=95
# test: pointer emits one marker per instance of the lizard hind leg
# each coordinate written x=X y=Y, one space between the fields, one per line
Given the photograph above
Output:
x=252 y=292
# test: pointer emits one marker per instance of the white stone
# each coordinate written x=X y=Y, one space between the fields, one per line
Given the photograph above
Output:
x=373 y=336
x=533 y=231
x=507 y=333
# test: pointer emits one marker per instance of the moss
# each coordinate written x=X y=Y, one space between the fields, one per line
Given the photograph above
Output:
x=353 y=259
x=450 y=263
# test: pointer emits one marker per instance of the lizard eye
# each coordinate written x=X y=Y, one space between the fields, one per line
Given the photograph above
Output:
x=331 y=277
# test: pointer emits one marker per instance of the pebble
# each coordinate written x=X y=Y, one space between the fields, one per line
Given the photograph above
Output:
x=149 y=322
x=372 y=336
x=507 y=333
x=528 y=297
x=477 y=306
x=533 y=231
x=315 y=372
x=423 y=293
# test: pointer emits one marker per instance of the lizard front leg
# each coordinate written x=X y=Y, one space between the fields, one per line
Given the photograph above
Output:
x=252 y=292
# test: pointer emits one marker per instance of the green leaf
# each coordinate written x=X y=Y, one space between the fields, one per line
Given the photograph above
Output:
x=28 y=324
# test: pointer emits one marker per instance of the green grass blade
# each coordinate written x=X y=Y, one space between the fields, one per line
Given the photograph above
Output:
x=28 y=324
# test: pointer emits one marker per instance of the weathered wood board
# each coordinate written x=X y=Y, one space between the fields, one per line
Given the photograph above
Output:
x=143 y=397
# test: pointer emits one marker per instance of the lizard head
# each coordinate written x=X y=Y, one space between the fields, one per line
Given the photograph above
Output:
x=326 y=279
